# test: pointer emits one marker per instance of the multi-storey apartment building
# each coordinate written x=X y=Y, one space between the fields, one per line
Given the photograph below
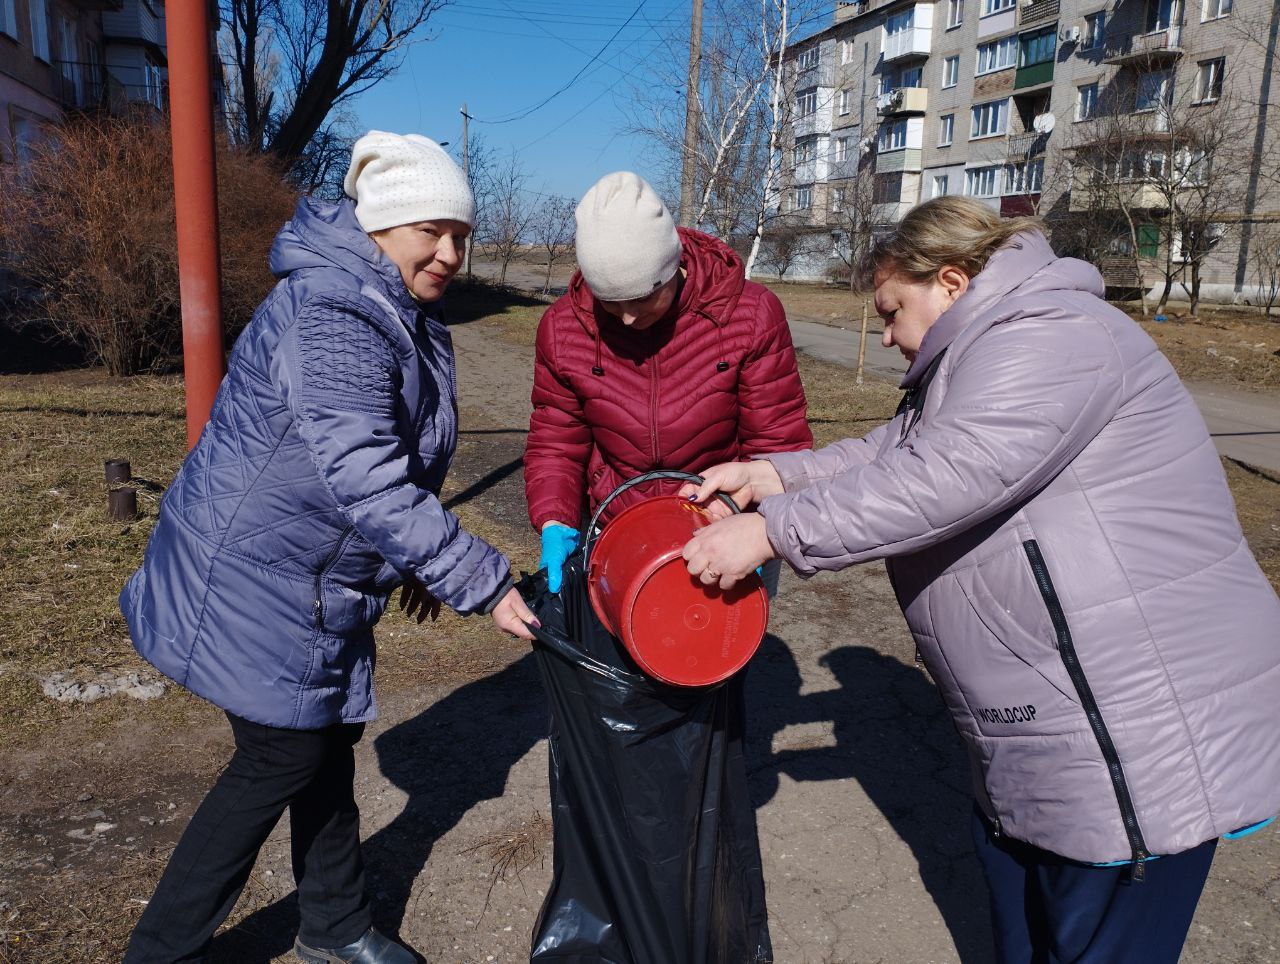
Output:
x=65 y=55
x=1021 y=104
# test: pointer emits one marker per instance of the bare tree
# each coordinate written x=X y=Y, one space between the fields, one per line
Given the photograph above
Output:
x=552 y=230
x=1265 y=254
x=291 y=62
x=788 y=243
x=853 y=220
x=510 y=213
x=732 y=148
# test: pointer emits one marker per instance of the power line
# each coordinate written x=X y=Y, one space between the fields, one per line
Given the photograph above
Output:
x=574 y=79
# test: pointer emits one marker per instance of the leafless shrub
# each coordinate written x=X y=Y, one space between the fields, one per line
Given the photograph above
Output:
x=87 y=229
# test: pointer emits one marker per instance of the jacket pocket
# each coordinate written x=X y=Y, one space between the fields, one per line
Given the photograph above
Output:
x=1002 y=594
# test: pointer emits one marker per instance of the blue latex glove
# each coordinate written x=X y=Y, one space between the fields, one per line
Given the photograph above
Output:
x=558 y=544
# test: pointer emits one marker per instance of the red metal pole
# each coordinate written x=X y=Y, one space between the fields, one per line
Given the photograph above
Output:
x=196 y=202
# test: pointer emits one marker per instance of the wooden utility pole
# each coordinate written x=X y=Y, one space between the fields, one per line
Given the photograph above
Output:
x=862 y=342
x=466 y=171
x=689 y=166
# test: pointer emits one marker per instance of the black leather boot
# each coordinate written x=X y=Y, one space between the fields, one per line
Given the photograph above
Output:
x=373 y=947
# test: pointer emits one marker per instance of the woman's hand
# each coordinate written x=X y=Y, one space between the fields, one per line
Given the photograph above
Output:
x=414 y=597
x=729 y=550
x=511 y=615
x=744 y=482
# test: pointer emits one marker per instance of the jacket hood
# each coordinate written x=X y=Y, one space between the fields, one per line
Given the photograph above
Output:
x=323 y=235
x=714 y=276
x=1025 y=265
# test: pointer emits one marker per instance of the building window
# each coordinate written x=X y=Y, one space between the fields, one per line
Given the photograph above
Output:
x=807 y=59
x=802 y=198
x=843 y=101
x=887 y=189
x=1095 y=28
x=893 y=137
x=989 y=119
x=154 y=85
x=997 y=55
x=1154 y=90
x=1209 y=79
x=1193 y=166
x=70 y=66
x=1086 y=101
x=8 y=19
x=807 y=103
x=995 y=6
x=951 y=71
x=1026 y=177
x=911 y=78
x=837 y=200
x=900 y=22
x=39 y=29
x=1159 y=15
x=946 y=129
x=1213 y=9
x=940 y=182
x=1037 y=48
x=982 y=181
x=804 y=152
x=846 y=51
x=955 y=13
x=843 y=144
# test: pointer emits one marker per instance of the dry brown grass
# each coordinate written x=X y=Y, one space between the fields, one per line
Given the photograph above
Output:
x=1234 y=348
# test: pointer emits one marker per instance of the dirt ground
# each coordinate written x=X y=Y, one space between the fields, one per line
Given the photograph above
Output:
x=860 y=786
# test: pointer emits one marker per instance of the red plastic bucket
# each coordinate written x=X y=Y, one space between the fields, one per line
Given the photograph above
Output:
x=675 y=628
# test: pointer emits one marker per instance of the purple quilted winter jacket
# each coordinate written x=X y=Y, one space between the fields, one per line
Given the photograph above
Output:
x=1062 y=541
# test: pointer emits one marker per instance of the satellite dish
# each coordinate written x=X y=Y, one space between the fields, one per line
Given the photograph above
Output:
x=1043 y=123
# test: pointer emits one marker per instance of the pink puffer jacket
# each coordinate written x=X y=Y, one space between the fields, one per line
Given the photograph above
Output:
x=1062 y=541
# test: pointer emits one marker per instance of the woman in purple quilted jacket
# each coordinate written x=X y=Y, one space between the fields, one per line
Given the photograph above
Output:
x=312 y=493
x=1062 y=541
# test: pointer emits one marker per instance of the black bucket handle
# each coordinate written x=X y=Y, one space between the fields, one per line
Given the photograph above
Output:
x=656 y=476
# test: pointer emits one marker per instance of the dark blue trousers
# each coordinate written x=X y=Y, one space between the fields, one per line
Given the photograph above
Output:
x=1046 y=909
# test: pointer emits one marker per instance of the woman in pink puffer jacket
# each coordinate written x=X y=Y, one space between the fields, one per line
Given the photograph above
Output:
x=1065 y=549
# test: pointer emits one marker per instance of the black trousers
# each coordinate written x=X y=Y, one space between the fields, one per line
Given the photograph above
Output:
x=1049 y=910
x=312 y=772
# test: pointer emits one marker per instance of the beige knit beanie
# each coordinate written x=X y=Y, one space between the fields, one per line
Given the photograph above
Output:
x=627 y=243
x=405 y=178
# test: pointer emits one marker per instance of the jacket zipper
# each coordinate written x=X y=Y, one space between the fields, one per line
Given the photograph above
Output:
x=329 y=560
x=653 y=411
x=1067 y=651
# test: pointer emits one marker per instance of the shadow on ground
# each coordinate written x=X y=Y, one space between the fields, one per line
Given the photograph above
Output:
x=894 y=737
x=472 y=300
x=891 y=733
x=447 y=759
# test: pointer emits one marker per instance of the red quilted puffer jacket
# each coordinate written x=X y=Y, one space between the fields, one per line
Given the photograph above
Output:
x=714 y=381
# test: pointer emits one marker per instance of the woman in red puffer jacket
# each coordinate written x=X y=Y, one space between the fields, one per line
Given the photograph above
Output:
x=661 y=356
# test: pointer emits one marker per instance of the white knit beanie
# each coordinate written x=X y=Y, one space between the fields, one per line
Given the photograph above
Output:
x=627 y=243
x=405 y=178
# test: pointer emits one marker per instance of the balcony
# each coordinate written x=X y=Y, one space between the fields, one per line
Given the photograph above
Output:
x=1134 y=195
x=903 y=159
x=1037 y=11
x=819 y=122
x=1033 y=75
x=1159 y=47
x=1025 y=144
x=819 y=75
x=903 y=100
x=912 y=42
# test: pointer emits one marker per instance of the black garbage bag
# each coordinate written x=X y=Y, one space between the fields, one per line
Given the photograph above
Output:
x=657 y=859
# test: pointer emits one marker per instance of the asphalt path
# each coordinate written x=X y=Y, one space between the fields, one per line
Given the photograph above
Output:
x=1245 y=425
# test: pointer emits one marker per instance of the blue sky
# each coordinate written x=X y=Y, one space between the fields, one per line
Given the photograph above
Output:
x=504 y=57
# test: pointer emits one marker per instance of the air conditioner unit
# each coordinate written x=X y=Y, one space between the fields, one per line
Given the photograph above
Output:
x=1069 y=34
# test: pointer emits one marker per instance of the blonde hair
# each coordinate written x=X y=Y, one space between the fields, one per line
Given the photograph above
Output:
x=943 y=231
